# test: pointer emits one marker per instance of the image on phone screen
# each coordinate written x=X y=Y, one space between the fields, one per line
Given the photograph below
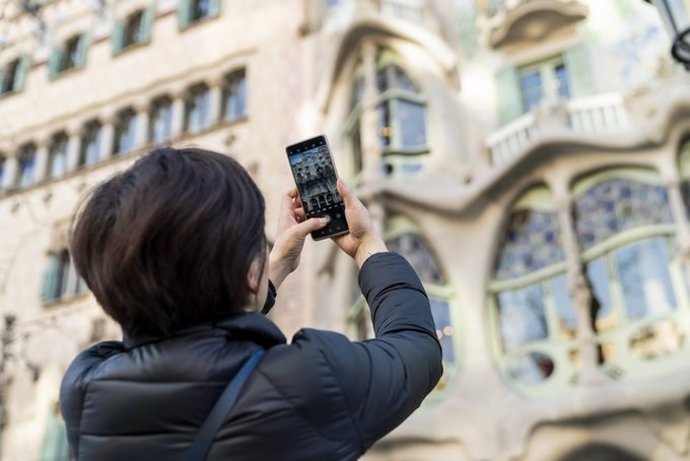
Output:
x=315 y=175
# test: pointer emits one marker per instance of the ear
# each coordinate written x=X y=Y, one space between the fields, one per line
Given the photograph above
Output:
x=254 y=275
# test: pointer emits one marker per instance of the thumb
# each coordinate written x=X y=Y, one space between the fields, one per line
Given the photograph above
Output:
x=310 y=225
x=345 y=193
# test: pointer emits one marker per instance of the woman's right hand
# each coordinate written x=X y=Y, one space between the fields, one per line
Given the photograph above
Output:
x=363 y=239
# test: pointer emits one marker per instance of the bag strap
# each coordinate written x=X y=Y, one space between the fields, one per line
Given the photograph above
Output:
x=221 y=409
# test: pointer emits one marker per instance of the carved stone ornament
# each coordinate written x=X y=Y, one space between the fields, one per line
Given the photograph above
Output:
x=532 y=20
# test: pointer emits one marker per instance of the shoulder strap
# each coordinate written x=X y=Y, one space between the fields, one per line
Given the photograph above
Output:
x=221 y=409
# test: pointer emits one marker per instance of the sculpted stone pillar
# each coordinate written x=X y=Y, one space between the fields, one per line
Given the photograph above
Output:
x=73 y=147
x=41 y=159
x=580 y=291
x=177 y=124
x=215 y=103
x=141 y=134
x=10 y=177
x=371 y=150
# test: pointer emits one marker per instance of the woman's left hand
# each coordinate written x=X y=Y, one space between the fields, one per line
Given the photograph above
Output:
x=292 y=231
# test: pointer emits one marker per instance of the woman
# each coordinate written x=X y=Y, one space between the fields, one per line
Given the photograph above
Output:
x=174 y=250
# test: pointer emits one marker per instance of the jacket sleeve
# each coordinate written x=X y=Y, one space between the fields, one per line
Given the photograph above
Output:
x=385 y=379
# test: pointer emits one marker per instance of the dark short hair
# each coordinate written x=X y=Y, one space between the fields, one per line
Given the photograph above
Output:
x=168 y=243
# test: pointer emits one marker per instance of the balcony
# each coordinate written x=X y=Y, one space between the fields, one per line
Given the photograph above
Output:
x=596 y=115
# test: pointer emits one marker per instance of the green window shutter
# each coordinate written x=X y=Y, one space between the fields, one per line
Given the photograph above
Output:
x=508 y=93
x=49 y=287
x=578 y=67
x=22 y=71
x=184 y=13
x=82 y=49
x=54 y=62
x=214 y=8
x=118 y=36
x=2 y=78
x=146 y=24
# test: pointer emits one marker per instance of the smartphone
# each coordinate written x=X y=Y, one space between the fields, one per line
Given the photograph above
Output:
x=312 y=167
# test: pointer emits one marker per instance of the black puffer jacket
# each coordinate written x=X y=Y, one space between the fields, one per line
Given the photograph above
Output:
x=320 y=398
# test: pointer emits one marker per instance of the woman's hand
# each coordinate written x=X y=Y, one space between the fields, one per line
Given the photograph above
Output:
x=292 y=230
x=363 y=239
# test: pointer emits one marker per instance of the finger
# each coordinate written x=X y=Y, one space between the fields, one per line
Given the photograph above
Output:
x=286 y=201
x=293 y=192
x=345 y=192
x=299 y=214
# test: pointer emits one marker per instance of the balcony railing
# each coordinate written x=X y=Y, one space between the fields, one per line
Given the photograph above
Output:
x=600 y=114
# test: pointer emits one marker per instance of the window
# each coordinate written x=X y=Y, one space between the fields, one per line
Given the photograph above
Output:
x=13 y=75
x=27 y=166
x=125 y=131
x=625 y=228
x=160 y=120
x=235 y=96
x=135 y=29
x=546 y=80
x=60 y=279
x=565 y=76
x=530 y=305
x=57 y=155
x=90 y=149
x=71 y=55
x=3 y=171
x=197 y=108
x=190 y=12
x=401 y=113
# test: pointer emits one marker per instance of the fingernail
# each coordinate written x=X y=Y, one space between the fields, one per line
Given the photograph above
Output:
x=326 y=218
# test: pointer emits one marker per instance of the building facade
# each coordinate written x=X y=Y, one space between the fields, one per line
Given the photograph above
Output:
x=529 y=157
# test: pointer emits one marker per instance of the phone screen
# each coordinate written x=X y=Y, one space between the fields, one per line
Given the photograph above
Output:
x=315 y=175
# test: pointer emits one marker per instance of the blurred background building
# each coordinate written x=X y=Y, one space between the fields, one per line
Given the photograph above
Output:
x=529 y=157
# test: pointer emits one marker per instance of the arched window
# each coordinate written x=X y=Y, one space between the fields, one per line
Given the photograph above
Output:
x=3 y=171
x=684 y=168
x=533 y=317
x=57 y=155
x=235 y=96
x=160 y=120
x=26 y=174
x=125 y=131
x=90 y=149
x=404 y=238
x=197 y=108
x=626 y=232
x=401 y=114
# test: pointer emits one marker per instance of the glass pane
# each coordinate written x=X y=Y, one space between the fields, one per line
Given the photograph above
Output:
x=3 y=170
x=201 y=9
x=27 y=166
x=598 y=275
x=412 y=123
x=531 y=241
x=616 y=205
x=197 y=110
x=417 y=253
x=236 y=97
x=563 y=81
x=643 y=268
x=161 y=121
x=522 y=318
x=92 y=145
x=531 y=368
x=658 y=339
x=567 y=319
x=357 y=91
x=58 y=157
x=445 y=331
x=531 y=87
x=384 y=128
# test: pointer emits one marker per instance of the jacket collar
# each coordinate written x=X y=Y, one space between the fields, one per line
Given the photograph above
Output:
x=246 y=326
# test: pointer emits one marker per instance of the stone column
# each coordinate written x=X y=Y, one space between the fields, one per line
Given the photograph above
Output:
x=580 y=292
x=141 y=137
x=371 y=150
x=680 y=219
x=11 y=170
x=215 y=102
x=41 y=159
x=73 y=148
x=107 y=136
x=177 y=109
